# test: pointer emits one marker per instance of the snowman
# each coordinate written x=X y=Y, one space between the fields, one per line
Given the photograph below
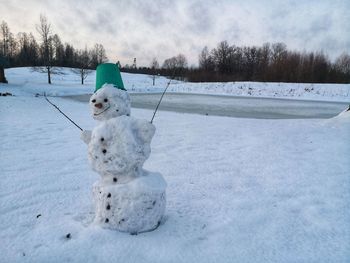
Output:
x=127 y=197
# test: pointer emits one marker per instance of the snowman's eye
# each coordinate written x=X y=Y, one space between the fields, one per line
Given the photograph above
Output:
x=105 y=100
x=93 y=101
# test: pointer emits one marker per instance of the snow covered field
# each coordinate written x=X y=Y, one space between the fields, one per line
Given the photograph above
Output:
x=68 y=83
x=239 y=190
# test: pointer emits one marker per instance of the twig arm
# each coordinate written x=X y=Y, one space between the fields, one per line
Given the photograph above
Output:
x=62 y=112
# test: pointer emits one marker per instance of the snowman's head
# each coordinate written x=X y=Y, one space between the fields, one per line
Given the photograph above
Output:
x=109 y=102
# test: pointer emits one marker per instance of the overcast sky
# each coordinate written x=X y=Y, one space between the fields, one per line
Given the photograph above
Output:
x=164 y=28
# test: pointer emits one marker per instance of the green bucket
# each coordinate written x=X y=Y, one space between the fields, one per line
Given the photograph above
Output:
x=108 y=73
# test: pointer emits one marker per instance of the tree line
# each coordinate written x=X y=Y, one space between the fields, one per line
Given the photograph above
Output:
x=24 y=50
x=269 y=62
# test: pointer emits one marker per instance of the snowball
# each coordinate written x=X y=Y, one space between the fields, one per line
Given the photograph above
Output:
x=109 y=102
x=86 y=136
x=134 y=207
x=119 y=147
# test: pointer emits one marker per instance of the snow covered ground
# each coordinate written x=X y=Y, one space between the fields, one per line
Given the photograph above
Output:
x=239 y=190
x=68 y=83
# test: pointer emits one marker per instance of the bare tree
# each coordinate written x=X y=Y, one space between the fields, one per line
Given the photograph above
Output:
x=343 y=63
x=4 y=57
x=176 y=66
x=206 y=60
x=44 y=29
x=98 y=55
x=221 y=56
x=154 y=67
x=84 y=63
x=5 y=34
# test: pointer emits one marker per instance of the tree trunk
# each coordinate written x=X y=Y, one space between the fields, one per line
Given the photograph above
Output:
x=2 y=75
x=49 y=74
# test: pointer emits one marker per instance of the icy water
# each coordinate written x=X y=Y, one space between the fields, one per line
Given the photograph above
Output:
x=241 y=107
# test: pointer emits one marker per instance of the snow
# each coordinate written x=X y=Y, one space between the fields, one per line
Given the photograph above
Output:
x=127 y=198
x=114 y=102
x=68 y=83
x=239 y=190
x=119 y=147
x=134 y=207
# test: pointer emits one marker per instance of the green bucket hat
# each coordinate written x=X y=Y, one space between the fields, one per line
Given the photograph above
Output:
x=108 y=73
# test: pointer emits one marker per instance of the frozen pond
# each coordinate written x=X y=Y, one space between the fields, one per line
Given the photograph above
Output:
x=243 y=107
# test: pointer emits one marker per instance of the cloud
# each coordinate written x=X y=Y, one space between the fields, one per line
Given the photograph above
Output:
x=164 y=28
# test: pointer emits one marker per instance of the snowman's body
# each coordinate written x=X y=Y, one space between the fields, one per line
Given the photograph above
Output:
x=127 y=197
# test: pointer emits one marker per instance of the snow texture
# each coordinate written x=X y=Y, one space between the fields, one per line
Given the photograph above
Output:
x=127 y=198
x=119 y=147
x=240 y=190
x=109 y=102
x=67 y=83
x=135 y=207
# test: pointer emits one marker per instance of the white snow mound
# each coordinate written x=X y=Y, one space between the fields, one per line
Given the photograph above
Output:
x=135 y=207
x=119 y=147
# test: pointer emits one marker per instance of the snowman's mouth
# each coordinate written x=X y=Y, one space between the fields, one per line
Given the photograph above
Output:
x=96 y=114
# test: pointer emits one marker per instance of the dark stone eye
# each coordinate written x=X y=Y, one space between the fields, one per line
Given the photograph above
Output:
x=93 y=101
x=117 y=110
x=102 y=139
x=105 y=100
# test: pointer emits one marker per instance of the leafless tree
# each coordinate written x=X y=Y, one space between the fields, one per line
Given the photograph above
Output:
x=4 y=56
x=154 y=67
x=44 y=29
x=342 y=63
x=98 y=55
x=84 y=63
x=206 y=60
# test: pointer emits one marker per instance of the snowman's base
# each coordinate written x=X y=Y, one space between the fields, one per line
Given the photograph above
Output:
x=134 y=207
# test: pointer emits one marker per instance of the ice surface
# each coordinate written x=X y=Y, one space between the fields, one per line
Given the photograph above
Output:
x=133 y=207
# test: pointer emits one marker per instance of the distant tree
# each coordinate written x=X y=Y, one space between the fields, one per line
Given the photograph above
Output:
x=278 y=58
x=44 y=29
x=342 y=66
x=221 y=56
x=84 y=63
x=181 y=61
x=206 y=61
x=69 y=56
x=5 y=35
x=58 y=50
x=342 y=63
x=265 y=59
x=4 y=56
x=251 y=62
x=169 y=63
x=98 y=55
x=154 y=69
x=175 y=66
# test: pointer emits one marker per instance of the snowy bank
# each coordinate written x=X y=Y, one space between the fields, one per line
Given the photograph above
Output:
x=68 y=83
x=239 y=190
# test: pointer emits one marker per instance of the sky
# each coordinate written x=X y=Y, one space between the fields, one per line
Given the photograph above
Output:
x=165 y=28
